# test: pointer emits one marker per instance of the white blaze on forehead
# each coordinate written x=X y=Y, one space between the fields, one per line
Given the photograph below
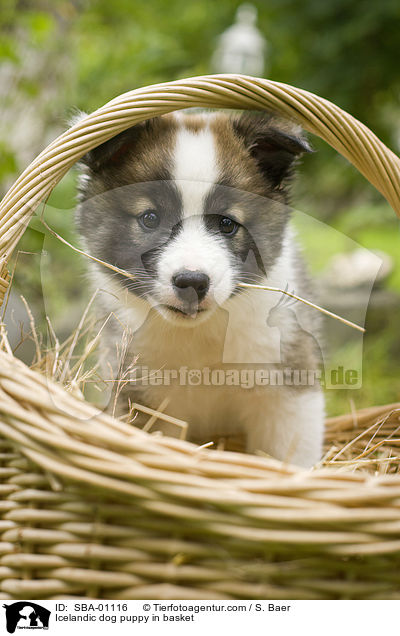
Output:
x=195 y=167
x=194 y=248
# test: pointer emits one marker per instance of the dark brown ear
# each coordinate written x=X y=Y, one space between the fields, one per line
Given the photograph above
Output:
x=275 y=144
x=114 y=151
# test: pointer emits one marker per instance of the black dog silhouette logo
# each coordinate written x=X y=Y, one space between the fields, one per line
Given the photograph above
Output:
x=26 y=615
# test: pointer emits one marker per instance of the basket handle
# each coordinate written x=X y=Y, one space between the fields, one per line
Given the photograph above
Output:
x=317 y=115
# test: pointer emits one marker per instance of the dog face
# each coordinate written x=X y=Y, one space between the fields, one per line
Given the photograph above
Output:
x=190 y=205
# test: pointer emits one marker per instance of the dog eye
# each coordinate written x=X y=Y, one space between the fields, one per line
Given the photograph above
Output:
x=150 y=220
x=227 y=226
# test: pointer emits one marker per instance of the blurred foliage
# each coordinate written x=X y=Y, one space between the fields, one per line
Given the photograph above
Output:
x=344 y=51
x=63 y=54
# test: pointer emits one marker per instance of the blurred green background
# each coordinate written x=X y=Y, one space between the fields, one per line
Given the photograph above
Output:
x=59 y=55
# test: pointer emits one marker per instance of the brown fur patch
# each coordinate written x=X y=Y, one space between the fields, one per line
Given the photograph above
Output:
x=193 y=123
x=237 y=167
x=151 y=159
x=142 y=154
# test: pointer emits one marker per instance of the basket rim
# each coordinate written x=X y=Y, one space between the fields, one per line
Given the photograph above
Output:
x=174 y=478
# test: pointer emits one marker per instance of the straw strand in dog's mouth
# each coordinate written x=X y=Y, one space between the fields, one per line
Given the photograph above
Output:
x=123 y=272
x=306 y=302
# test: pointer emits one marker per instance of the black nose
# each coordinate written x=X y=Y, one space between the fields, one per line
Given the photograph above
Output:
x=183 y=281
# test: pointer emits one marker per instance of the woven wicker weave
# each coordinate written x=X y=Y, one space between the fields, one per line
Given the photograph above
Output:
x=93 y=507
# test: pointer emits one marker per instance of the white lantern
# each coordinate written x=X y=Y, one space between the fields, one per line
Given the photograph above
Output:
x=242 y=47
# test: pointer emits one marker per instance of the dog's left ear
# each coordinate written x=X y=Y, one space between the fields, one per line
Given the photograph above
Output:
x=274 y=144
x=111 y=153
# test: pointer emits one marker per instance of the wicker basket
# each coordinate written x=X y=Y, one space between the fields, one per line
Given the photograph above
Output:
x=94 y=508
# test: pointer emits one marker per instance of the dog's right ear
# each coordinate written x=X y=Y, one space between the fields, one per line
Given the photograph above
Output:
x=112 y=152
x=274 y=143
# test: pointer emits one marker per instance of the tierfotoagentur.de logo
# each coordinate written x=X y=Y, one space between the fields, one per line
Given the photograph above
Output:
x=26 y=615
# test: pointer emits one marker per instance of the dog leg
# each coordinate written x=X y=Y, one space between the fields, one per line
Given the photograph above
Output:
x=290 y=427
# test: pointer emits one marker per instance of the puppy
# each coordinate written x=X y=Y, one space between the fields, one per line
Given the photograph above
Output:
x=191 y=206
